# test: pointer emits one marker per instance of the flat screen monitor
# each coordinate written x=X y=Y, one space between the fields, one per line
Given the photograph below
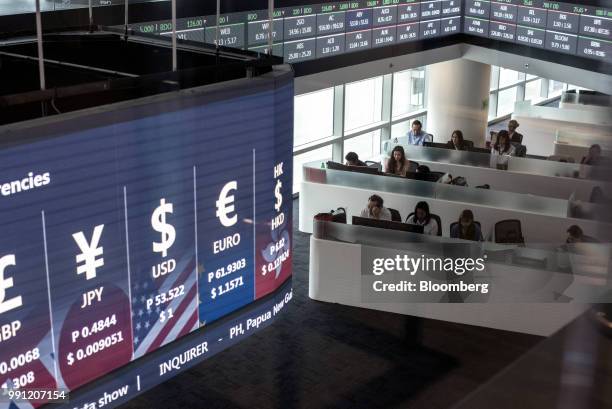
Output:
x=435 y=145
x=364 y=169
x=479 y=150
x=361 y=169
x=387 y=224
x=426 y=176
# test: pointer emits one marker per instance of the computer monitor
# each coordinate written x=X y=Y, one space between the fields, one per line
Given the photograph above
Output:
x=435 y=145
x=359 y=169
x=336 y=166
x=387 y=224
x=364 y=169
x=479 y=150
x=425 y=176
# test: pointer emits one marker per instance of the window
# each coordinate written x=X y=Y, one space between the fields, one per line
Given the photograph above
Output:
x=509 y=77
x=509 y=86
x=363 y=103
x=408 y=91
x=374 y=109
x=505 y=101
x=555 y=88
x=367 y=145
x=533 y=91
x=320 y=155
x=313 y=116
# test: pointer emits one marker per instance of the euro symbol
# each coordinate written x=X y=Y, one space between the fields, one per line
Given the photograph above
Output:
x=225 y=205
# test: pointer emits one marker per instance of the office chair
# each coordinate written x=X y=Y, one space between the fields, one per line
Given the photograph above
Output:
x=509 y=232
x=453 y=224
x=434 y=176
x=468 y=144
x=518 y=138
x=395 y=215
x=521 y=150
x=561 y=158
x=439 y=221
x=433 y=216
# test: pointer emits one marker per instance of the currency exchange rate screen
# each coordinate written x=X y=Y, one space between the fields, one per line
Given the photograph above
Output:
x=126 y=230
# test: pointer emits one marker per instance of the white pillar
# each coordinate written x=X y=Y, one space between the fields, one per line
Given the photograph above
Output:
x=458 y=98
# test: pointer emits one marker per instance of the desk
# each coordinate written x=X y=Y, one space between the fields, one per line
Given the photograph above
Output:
x=336 y=256
x=524 y=175
x=541 y=223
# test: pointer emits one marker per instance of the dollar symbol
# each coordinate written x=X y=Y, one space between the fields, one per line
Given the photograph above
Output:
x=158 y=222
x=277 y=194
x=162 y=316
x=70 y=359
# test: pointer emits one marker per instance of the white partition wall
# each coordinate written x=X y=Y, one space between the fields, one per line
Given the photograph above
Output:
x=335 y=276
x=537 y=228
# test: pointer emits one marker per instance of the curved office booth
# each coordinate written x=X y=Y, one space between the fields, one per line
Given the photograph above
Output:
x=530 y=290
x=543 y=219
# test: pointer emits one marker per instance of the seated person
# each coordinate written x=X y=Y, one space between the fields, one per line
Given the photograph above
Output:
x=352 y=159
x=422 y=217
x=466 y=229
x=456 y=141
x=512 y=134
x=598 y=196
x=575 y=235
x=416 y=135
x=375 y=209
x=593 y=158
x=398 y=164
x=502 y=150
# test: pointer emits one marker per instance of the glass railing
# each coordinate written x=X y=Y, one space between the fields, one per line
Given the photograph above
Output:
x=504 y=263
x=515 y=164
x=10 y=7
x=483 y=197
x=569 y=138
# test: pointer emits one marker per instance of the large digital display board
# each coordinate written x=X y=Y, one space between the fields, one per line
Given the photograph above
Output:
x=307 y=32
x=569 y=28
x=321 y=30
x=126 y=230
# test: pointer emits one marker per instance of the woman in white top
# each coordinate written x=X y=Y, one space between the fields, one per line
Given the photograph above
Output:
x=422 y=217
x=502 y=150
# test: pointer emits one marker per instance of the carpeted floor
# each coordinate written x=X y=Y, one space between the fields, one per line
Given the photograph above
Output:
x=319 y=355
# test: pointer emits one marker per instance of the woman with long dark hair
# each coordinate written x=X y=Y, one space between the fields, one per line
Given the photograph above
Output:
x=398 y=164
x=466 y=229
x=457 y=142
x=422 y=217
x=502 y=150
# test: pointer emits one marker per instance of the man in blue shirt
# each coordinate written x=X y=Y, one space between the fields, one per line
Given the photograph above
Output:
x=416 y=136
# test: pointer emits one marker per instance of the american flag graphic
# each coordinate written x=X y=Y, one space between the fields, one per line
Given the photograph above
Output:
x=149 y=331
x=39 y=336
